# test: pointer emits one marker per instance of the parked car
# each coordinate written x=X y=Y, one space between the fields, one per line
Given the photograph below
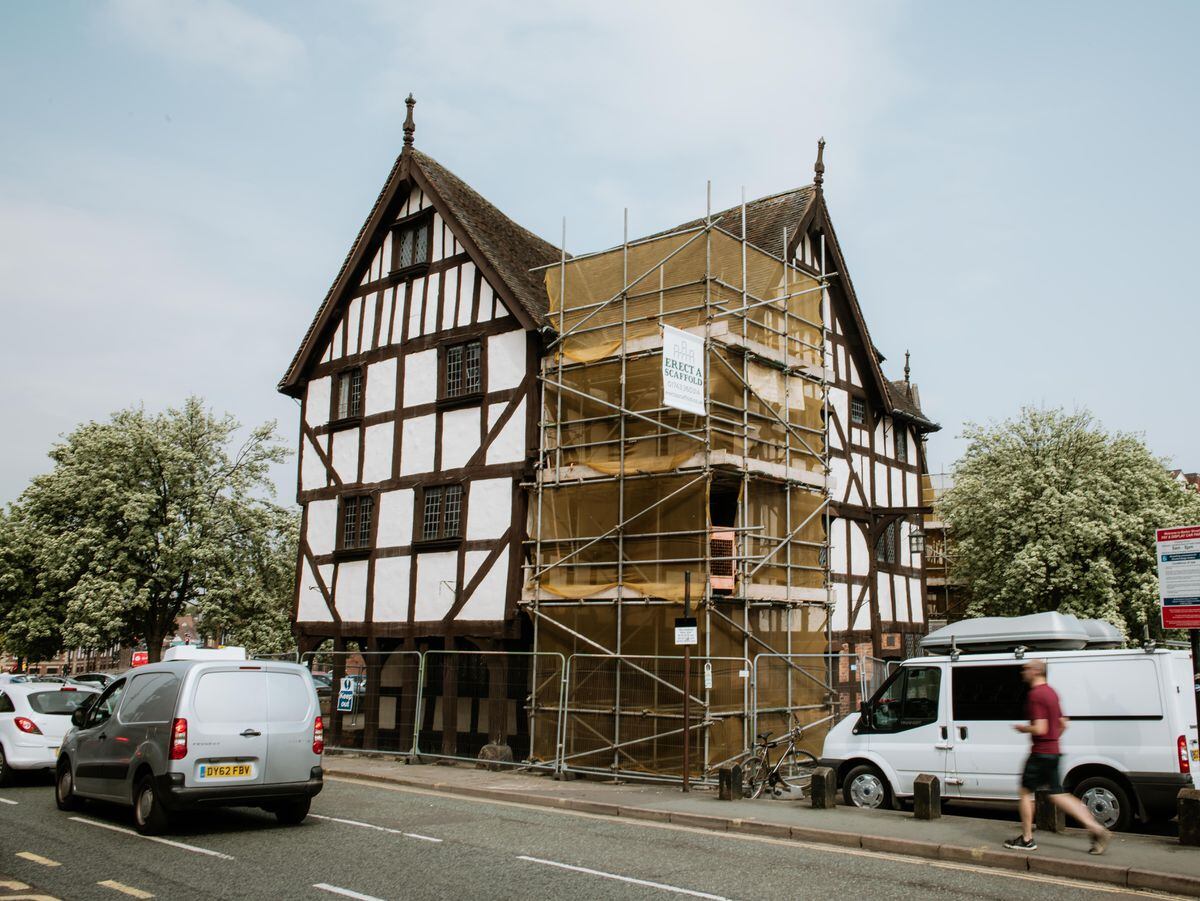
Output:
x=1130 y=745
x=100 y=679
x=34 y=717
x=203 y=728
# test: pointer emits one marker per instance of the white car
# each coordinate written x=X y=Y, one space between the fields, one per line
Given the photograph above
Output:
x=34 y=718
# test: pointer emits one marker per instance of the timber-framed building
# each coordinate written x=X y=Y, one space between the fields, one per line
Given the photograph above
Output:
x=422 y=390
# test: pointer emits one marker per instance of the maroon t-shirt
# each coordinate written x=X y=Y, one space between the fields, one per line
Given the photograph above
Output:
x=1043 y=705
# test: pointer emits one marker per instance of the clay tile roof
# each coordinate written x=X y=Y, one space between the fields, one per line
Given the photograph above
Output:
x=765 y=219
x=907 y=403
x=511 y=250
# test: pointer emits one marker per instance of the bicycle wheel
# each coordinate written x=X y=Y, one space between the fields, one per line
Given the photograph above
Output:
x=755 y=773
x=797 y=768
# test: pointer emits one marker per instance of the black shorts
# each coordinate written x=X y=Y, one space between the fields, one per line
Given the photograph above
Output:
x=1041 y=774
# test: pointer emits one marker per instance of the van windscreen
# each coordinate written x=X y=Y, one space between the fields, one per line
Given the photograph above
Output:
x=237 y=696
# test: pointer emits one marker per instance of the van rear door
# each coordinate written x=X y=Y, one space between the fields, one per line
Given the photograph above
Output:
x=291 y=710
x=227 y=727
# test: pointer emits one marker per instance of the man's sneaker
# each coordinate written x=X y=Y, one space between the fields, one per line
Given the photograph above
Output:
x=1100 y=842
x=1020 y=843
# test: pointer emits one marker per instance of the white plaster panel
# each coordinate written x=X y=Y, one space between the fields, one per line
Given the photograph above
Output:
x=414 y=310
x=335 y=344
x=881 y=485
x=353 y=317
x=312 y=607
x=416 y=455
x=460 y=436
x=385 y=252
x=509 y=446
x=420 y=378
x=467 y=290
x=918 y=604
x=914 y=488
x=841 y=607
x=312 y=469
x=837 y=546
x=350 y=595
x=377 y=455
x=322 y=526
x=862 y=621
x=437 y=251
x=431 y=324
x=316 y=401
x=391 y=590
x=841 y=361
x=450 y=297
x=398 y=313
x=485 y=302
x=883 y=592
x=345 y=455
x=381 y=387
x=370 y=302
x=487 y=601
x=897 y=483
x=395 y=519
x=489 y=510
x=437 y=576
x=858 y=551
x=839 y=471
x=854 y=377
x=506 y=360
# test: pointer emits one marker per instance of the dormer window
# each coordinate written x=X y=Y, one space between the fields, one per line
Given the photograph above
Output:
x=347 y=394
x=410 y=244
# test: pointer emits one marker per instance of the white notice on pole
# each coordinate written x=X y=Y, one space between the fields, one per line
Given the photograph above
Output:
x=683 y=370
x=686 y=635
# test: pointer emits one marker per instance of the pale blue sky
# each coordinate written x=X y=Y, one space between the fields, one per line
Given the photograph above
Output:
x=1014 y=183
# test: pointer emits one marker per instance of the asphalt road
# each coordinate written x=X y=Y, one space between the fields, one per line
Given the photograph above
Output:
x=369 y=841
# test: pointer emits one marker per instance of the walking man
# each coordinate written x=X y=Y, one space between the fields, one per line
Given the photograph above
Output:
x=1046 y=725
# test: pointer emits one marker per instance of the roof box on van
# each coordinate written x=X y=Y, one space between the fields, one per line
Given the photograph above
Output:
x=1102 y=635
x=1040 y=631
x=191 y=652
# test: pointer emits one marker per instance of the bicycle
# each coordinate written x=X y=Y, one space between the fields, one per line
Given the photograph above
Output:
x=793 y=769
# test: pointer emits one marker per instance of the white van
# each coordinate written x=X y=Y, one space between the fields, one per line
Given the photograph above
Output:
x=1130 y=745
x=204 y=728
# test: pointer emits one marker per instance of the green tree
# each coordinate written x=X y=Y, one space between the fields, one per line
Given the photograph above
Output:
x=146 y=516
x=30 y=624
x=1050 y=512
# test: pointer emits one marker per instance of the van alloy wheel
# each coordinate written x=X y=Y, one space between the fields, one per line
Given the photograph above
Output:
x=867 y=790
x=1104 y=805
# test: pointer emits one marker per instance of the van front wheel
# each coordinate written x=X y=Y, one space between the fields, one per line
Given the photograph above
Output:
x=865 y=786
x=1106 y=800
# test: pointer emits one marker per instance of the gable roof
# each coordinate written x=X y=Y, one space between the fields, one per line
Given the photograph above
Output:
x=766 y=218
x=504 y=251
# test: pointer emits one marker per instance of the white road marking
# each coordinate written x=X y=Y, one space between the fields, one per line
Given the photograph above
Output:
x=124 y=889
x=7 y=801
x=325 y=887
x=787 y=843
x=37 y=858
x=11 y=885
x=659 y=885
x=424 y=838
x=153 y=838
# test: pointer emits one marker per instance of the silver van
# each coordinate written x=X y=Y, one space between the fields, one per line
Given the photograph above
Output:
x=203 y=728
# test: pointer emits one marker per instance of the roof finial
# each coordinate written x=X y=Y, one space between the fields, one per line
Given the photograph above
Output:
x=409 y=127
x=906 y=381
x=819 y=166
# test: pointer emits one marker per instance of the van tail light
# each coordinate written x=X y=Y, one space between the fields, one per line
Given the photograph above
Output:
x=27 y=725
x=318 y=736
x=1185 y=759
x=178 y=739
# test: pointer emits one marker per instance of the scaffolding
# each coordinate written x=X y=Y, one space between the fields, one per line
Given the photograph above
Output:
x=631 y=494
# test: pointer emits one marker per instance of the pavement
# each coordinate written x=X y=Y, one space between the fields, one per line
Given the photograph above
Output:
x=374 y=840
x=1136 y=861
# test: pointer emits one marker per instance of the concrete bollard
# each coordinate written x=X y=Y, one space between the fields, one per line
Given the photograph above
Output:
x=729 y=783
x=1188 y=804
x=1046 y=815
x=927 y=797
x=824 y=788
